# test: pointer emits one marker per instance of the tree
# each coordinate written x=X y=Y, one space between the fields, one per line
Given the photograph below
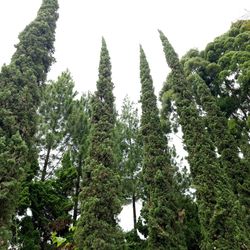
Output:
x=220 y=214
x=128 y=131
x=62 y=141
x=161 y=204
x=224 y=68
x=19 y=98
x=78 y=127
x=100 y=204
x=55 y=108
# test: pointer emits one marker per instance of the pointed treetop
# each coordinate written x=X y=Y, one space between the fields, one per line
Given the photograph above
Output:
x=141 y=49
x=105 y=64
x=170 y=54
x=104 y=45
x=145 y=70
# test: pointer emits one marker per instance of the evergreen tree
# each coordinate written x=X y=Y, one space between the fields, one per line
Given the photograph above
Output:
x=54 y=112
x=161 y=204
x=62 y=136
x=19 y=98
x=132 y=153
x=100 y=204
x=130 y=161
x=224 y=68
x=217 y=125
x=220 y=214
x=78 y=128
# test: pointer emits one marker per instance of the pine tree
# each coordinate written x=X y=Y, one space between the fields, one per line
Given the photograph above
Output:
x=132 y=153
x=100 y=204
x=129 y=146
x=57 y=99
x=161 y=204
x=220 y=214
x=19 y=98
x=78 y=128
x=54 y=111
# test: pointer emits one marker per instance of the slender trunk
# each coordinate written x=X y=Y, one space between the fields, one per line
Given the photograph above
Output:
x=44 y=172
x=77 y=190
x=134 y=210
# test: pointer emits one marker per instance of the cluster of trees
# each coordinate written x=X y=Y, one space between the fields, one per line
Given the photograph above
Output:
x=68 y=164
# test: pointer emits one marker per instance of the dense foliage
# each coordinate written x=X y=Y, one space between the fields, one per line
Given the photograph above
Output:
x=100 y=196
x=70 y=162
x=161 y=202
x=19 y=99
x=221 y=216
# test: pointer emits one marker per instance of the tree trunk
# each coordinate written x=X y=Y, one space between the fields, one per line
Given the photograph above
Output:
x=77 y=191
x=134 y=210
x=44 y=172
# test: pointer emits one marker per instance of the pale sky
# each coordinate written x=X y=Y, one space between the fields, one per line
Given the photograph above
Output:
x=124 y=24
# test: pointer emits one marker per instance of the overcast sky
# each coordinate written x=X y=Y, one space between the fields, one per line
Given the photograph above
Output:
x=124 y=24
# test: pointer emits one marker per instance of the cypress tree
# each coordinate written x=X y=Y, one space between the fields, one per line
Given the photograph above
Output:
x=224 y=68
x=19 y=99
x=161 y=204
x=217 y=125
x=97 y=227
x=220 y=214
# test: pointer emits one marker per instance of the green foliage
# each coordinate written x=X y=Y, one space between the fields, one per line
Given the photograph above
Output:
x=100 y=204
x=129 y=154
x=226 y=100
x=64 y=243
x=62 y=133
x=133 y=241
x=220 y=214
x=57 y=240
x=29 y=238
x=160 y=208
x=19 y=99
x=54 y=112
x=77 y=146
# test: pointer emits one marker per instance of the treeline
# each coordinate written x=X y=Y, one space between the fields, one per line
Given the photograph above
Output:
x=69 y=163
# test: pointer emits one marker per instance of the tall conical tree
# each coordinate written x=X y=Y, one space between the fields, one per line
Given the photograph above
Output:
x=238 y=170
x=224 y=67
x=164 y=228
x=19 y=99
x=100 y=204
x=221 y=216
x=217 y=125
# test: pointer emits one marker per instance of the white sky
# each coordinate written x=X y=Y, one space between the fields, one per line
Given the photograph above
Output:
x=125 y=24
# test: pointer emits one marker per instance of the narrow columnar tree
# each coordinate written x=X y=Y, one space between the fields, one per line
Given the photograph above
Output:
x=19 y=99
x=221 y=216
x=217 y=125
x=100 y=204
x=224 y=67
x=161 y=203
